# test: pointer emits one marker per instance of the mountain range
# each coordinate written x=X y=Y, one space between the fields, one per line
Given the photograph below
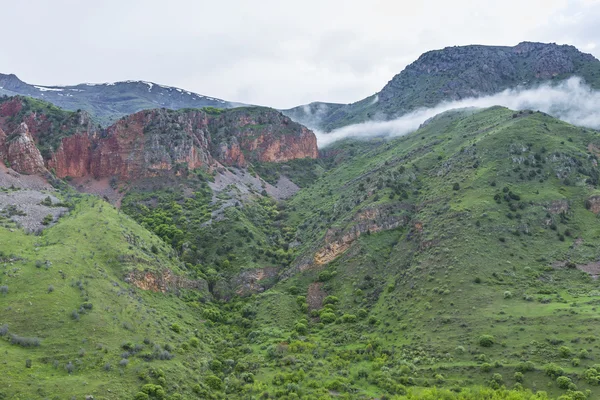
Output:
x=107 y=102
x=180 y=252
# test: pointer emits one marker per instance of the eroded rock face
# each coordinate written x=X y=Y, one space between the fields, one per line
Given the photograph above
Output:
x=20 y=152
x=593 y=204
x=367 y=221
x=149 y=143
x=163 y=281
x=253 y=281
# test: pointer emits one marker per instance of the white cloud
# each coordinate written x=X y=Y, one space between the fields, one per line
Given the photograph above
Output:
x=270 y=52
x=572 y=101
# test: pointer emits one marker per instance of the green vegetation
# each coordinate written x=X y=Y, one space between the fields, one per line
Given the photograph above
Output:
x=391 y=281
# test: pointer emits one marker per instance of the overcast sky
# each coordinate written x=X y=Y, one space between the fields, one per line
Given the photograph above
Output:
x=271 y=52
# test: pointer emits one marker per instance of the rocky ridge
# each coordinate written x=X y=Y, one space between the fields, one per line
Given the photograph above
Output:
x=147 y=143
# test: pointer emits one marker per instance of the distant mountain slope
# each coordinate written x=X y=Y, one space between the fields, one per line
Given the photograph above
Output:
x=455 y=73
x=107 y=102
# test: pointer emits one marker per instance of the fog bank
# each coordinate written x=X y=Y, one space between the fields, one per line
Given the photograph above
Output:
x=572 y=101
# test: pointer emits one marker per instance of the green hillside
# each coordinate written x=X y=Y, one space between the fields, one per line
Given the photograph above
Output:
x=452 y=263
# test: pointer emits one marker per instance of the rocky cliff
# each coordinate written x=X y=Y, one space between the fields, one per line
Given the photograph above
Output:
x=147 y=143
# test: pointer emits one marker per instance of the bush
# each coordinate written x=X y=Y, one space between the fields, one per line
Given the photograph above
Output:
x=508 y=295
x=563 y=382
x=327 y=317
x=176 y=328
x=518 y=376
x=349 y=318
x=456 y=186
x=564 y=352
x=553 y=370
x=214 y=382
x=24 y=341
x=486 y=340
x=527 y=366
x=69 y=367
x=300 y=328
x=362 y=313
x=194 y=342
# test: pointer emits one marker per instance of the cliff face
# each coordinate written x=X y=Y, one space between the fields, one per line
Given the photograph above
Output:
x=149 y=143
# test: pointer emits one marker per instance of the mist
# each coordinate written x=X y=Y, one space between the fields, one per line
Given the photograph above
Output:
x=572 y=101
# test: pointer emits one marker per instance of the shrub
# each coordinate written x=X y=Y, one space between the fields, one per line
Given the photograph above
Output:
x=362 y=313
x=194 y=342
x=486 y=340
x=176 y=328
x=592 y=376
x=564 y=352
x=300 y=328
x=69 y=367
x=152 y=390
x=527 y=366
x=518 y=376
x=456 y=186
x=327 y=317
x=508 y=295
x=349 y=318
x=553 y=370
x=24 y=341
x=563 y=382
x=214 y=382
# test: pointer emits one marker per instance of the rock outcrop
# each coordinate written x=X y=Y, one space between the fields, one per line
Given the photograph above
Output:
x=19 y=151
x=163 y=281
x=147 y=143
x=367 y=221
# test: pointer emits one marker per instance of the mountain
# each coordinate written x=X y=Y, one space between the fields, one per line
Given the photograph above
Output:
x=436 y=259
x=455 y=73
x=107 y=102
x=235 y=260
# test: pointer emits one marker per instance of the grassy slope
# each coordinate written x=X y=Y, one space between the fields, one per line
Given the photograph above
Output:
x=473 y=270
x=90 y=250
x=422 y=298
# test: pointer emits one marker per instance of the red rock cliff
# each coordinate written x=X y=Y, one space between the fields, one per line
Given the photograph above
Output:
x=149 y=143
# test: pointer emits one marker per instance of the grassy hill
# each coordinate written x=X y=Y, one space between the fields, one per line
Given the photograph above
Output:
x=456 y=262
x=482 y=276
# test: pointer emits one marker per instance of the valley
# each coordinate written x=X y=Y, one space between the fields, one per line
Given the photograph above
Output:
x=220 y=253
